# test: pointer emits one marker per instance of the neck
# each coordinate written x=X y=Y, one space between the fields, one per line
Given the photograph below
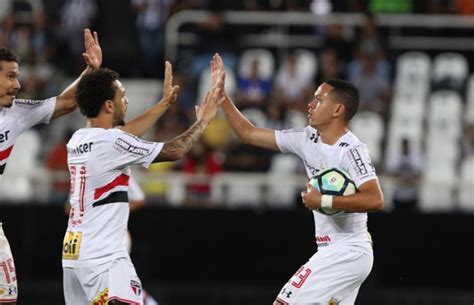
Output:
x=331 y=134
x=100 y=122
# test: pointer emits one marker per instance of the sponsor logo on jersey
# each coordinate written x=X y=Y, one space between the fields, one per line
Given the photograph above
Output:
x=124 y=145
x=343 y=144
x=81 y=148
x=101 y=299
x=71 y=245
x=333 y=301
x=136 y=287
x=286 y=293
x=29 y=102
x=359 y=163
x=312 y=169
x=4 y=136
x=314 y=137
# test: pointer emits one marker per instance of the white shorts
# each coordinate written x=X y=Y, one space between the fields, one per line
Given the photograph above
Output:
x=98 y=285
x=332 y=276
x=8 y=282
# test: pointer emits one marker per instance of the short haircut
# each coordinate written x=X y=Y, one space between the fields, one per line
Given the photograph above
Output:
x=94 y=89
x=8 y=55
x=348 y=95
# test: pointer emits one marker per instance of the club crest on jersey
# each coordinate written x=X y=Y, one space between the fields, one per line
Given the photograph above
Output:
x=125 y=146
x=333 y=301
x=136 y=287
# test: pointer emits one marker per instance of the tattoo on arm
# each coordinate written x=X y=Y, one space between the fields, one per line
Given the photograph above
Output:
x=176 y=148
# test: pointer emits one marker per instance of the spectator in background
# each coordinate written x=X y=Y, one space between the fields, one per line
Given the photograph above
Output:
x=151 y=19
x=468 y=141
x=330 y=66
x=202 y=163
x=75 y=16
x=253 y=90
x=465 y=7
x=406 y=168
x=292 y=87
x=56 y=162
x=335 y=39
x=374 y=89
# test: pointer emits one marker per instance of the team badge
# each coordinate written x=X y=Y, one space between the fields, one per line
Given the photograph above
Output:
x=333 y=301
x=136 y=287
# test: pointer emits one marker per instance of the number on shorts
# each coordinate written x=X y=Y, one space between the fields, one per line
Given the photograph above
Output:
x=9 y=270
x=301 y=275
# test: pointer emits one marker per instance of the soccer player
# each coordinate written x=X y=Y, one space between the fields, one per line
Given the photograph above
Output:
x=334 y=274
x=96 y=266
x=18 y=115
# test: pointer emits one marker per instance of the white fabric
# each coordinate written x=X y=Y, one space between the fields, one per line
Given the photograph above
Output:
x=331 y=274
x=99 y=162
x=348 y=154
x=115 y=280
x=8 y=281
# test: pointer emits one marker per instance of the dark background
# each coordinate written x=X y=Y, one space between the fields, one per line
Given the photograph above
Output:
x=209 y=256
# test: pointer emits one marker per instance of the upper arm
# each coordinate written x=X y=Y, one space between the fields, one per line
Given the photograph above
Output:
x=64 y=106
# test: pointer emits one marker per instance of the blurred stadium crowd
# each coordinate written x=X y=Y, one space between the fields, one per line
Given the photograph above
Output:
x=421 y=145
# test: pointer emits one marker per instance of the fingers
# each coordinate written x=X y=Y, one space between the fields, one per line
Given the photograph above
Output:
x=96 y=37
x=87 y=59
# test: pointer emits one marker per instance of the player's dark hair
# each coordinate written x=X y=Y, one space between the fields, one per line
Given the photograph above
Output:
x=348 y=94
x=8 y=55
x=94 y=89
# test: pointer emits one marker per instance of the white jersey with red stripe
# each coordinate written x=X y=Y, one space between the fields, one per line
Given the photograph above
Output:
x=98 y=161
x=22 y=115
x=348 y=154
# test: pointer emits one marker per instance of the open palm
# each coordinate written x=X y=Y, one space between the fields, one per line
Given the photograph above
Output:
x=93 y=51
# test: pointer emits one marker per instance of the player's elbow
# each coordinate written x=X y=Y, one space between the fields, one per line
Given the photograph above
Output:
x=378 y=204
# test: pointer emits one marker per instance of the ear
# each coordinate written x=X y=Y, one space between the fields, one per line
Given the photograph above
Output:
x=109 y=106
x=339 y=111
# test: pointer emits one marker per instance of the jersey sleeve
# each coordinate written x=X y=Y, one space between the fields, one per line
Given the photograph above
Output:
x=125 y=149
x=358 y=164
x=291 y=140
x=34 y=112
x=135 y=192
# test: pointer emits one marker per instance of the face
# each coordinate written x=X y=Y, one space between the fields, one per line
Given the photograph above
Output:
x=322 y=109
x=9 y=84
x=121 y=103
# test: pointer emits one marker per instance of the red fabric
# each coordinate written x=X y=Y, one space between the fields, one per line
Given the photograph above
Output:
x=120 y=180
x=5 y=153
x=210 y=167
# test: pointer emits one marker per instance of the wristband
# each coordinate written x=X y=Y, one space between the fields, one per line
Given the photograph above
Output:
x=326 y=201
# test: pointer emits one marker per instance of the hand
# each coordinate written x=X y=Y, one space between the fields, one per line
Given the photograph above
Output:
x=208 y=110
x=217 y=64
x=93 y=52
x=311 y=197
x=170 y=92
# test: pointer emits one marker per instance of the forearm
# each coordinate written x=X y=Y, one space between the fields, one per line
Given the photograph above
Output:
x=66 y=101
x=139 y=125
x=238 y=122
x=359 y=202
x=70 y=92
x=179 y=146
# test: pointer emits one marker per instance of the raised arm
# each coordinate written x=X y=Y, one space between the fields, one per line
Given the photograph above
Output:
x=179 y=146
x=139 y=125
x=245 y=130
x=368 y=198
x=66 y=101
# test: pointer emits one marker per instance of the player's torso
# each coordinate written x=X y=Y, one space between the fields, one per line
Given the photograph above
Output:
x=99 y=201
x=343 y=227
x=10 y=130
